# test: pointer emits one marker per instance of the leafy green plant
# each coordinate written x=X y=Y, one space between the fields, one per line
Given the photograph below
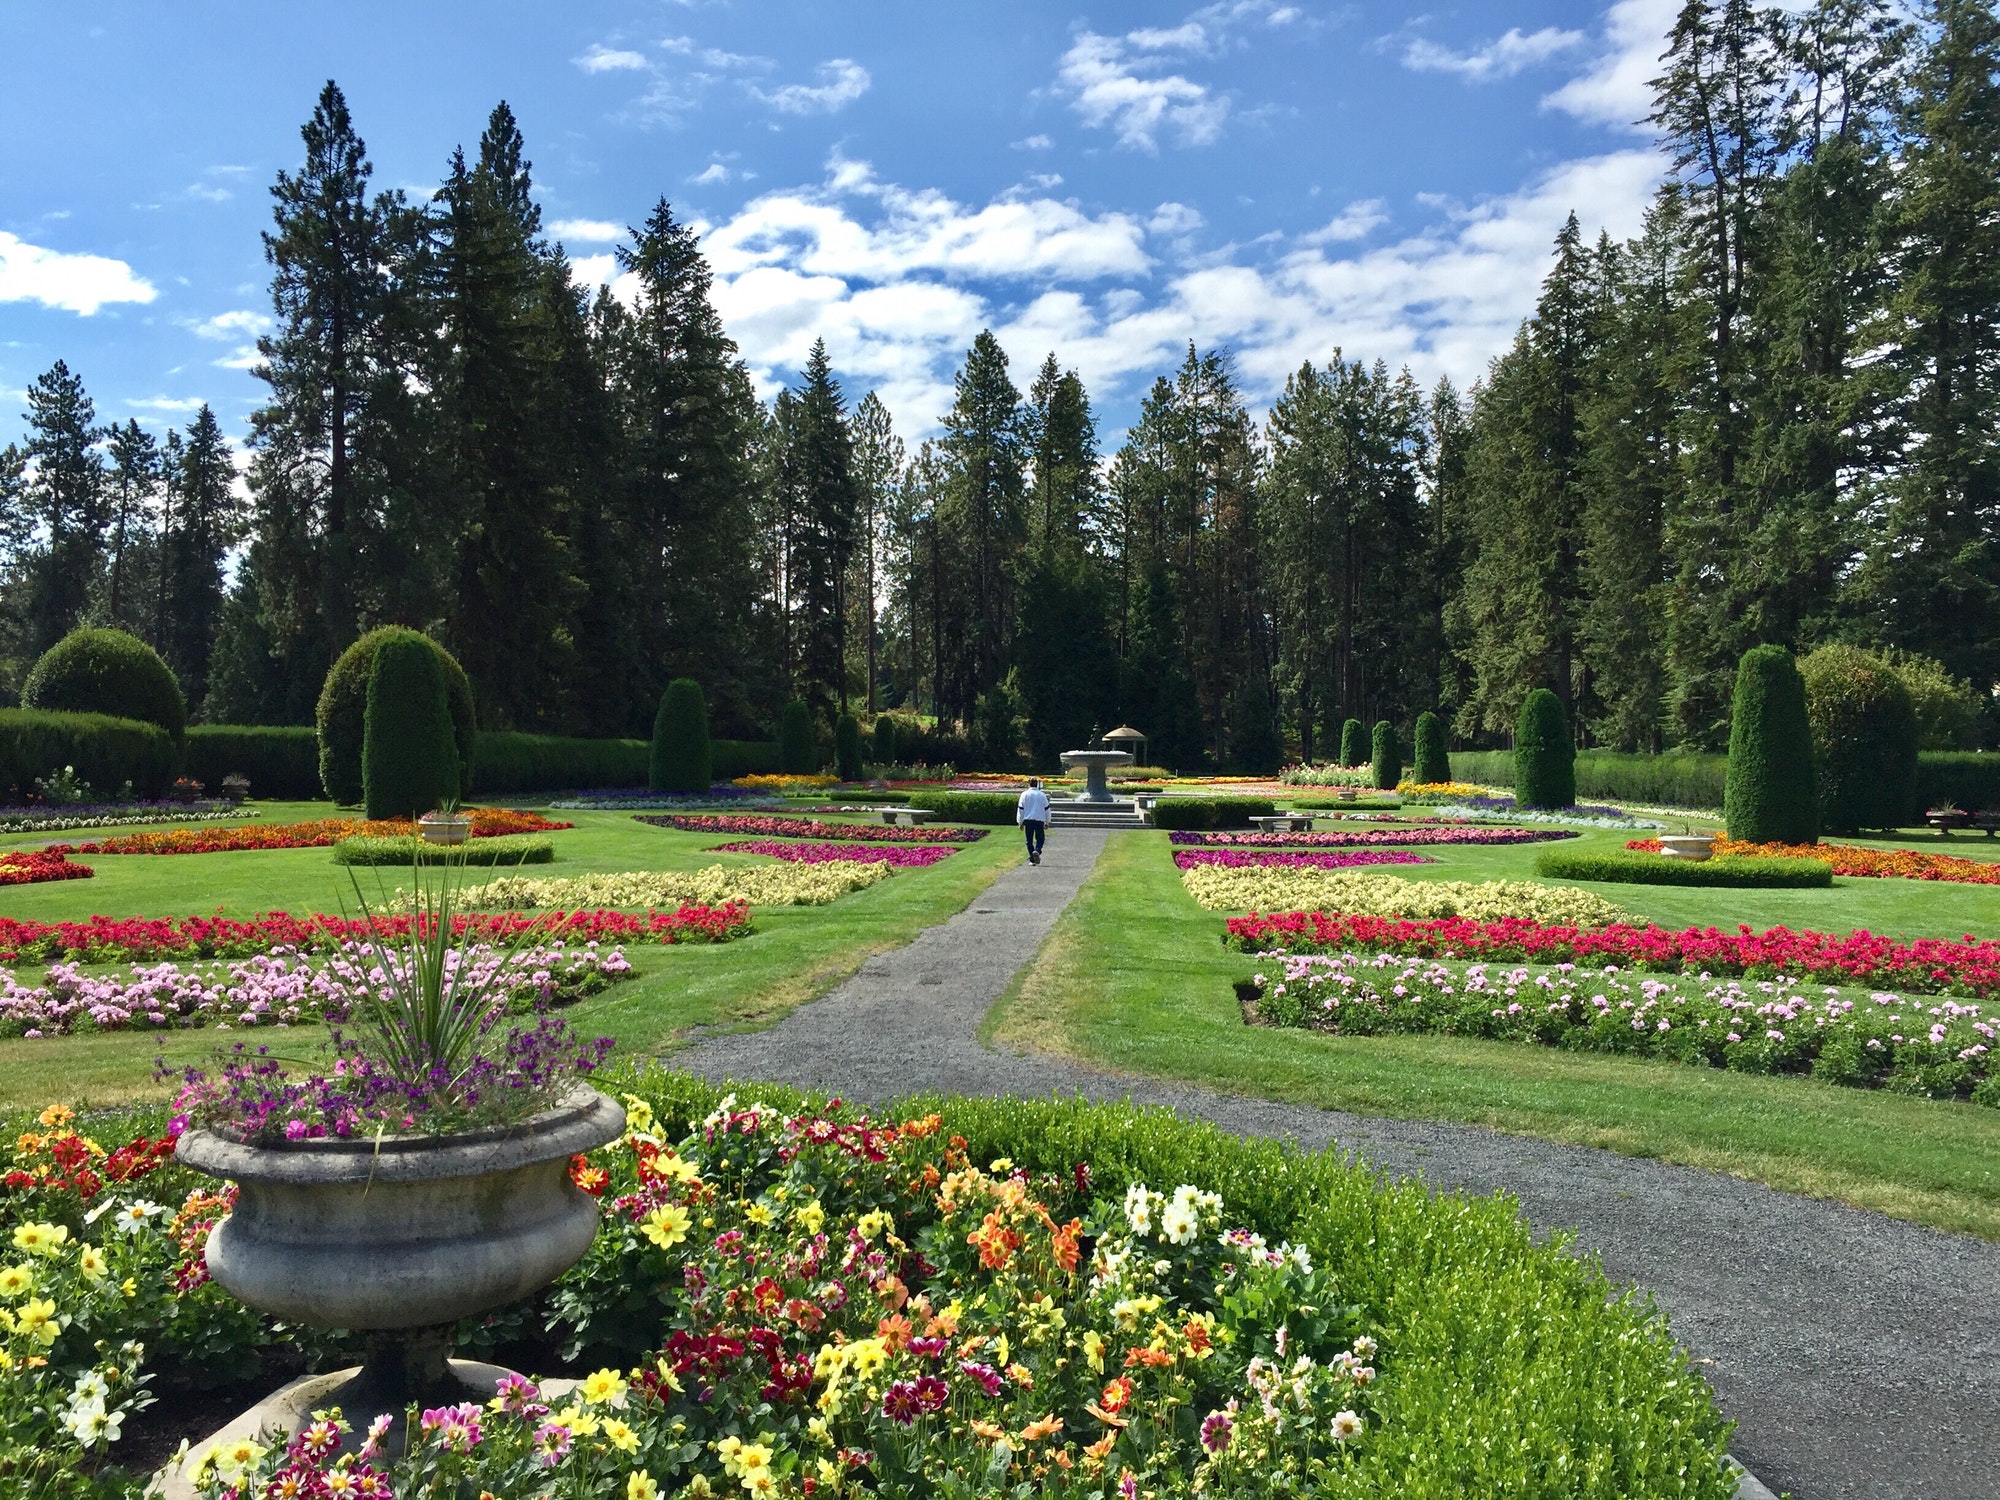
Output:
x=1864 y=733
x=365 y=849
x=885 y=740
x=847 y=747
x=409 y=763
x=798 y=754
x=1353 y=743
x=341 y=718
x=1210 y=812
x=98 y=671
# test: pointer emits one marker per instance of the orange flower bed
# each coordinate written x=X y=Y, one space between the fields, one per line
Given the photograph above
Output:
x=1849 y=859
x=320 y=833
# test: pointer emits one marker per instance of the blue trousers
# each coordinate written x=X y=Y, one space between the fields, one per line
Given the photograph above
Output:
x=1036 y=830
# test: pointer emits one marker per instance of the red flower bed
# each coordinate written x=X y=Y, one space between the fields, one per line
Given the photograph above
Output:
x=33 y=866
x=1947 y=966
x=135 y=939
x=812 y=828
x=320 y=833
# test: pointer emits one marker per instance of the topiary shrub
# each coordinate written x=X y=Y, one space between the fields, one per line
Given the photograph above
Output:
x=797 y=754
x=343 y=709
x=1864 y=736
x=1386 y=756
x=409 y=757
x=1770 y=795
x=98 y=671
x=1433 y=764
x=1353 y=743
x=1544 y=754
x=680 y=761
x=847 y=747
x=885 y=741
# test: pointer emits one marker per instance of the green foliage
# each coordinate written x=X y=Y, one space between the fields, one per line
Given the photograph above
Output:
x=1544 y=754
x=1771 y=796
x=1065 y=653
x=279 y=760
x=1634 y=867
x=1156 y=694
x=1353 y=743
x=106 y=752
x=680 y=757
x=798 y=752
x=511 y=849
x=1962 y=779
x=343 y=706
x=1210 y=812
x=729 y=759
x=99 y=671
x=995 y=809
x=996 y=725
x=1864 y=731
x=1386 y=756
x=1432 y=765
x=506 y=762
x=1951 y=714
x=847 y=747
x=884 y=744
x=409 y=758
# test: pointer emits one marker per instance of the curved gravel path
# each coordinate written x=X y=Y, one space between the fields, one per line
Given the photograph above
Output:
x=1859 y=1355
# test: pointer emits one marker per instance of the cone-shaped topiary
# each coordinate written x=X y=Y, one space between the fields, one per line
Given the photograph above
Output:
x=847 y=747
x=1433 y=764
x=1771 y=794
x=1386 y=756
x=409 y=756
x=1353 y=743
x=797 y=754
x=885 y=741
x=99 y=671
x=680 y=759
x=1544 y=754
x=1864 y=730
x=343 y=708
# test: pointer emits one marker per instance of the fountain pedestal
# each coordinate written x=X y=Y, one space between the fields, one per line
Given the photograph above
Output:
x=1094 y=763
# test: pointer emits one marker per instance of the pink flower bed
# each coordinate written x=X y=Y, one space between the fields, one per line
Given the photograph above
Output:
x=1332 y=859
x=900 y=856
x=1428 y=834
x=813 y=828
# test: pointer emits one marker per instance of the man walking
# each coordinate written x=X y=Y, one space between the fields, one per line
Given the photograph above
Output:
x=1032 y=813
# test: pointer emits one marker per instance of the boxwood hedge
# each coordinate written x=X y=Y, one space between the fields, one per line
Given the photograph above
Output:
x=512 y=849
x=994 y=808
x=1633 y=867
x=1210 y=812
x=278 y=760
x=105 y=751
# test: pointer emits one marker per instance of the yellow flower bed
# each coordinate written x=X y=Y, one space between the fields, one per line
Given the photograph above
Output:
x=760 y=885
x=785 y=783
x=1219 y=888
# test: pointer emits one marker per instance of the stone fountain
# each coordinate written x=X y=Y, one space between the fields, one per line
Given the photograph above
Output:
x=1094 y=763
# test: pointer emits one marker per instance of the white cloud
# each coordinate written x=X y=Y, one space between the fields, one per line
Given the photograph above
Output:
x=1034 y=143
x=74 y=283
x=715 y=171
x=1616 y=89
x=841 y=82
x=168 y=404
x=601 y=59
x=1501 y=58
x=586 y=231
x=1353 y=222
x=209 y=193
x=1114 y=81
x=593 y=271
x=237 y=324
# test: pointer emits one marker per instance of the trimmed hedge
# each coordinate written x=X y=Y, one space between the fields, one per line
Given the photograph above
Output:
x=97 y=671
x=1770 y=795
x=1544 y=753
x=107 y=752
x=847 y=747
x=1210 y=812
x=680 y=759
x=729 y=759
x=343 y=709
x=995 y=809
x=507 y=762
x=798 y=753
x=1635 y=867
x=1385 y=756
x=883 y=742
x=409 y=758
x=1969 y=779
x=278 y=760
x=1353 y=743
x=1864 y=730
x=1675 y=779
x=514 y=849
x=1432 y=763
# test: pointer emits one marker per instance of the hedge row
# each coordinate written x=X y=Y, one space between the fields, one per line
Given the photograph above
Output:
x=106 y=752
x=993 y=808
x=278 y=760
x=1631 y=867
x=515 y=850
x=1210 y=812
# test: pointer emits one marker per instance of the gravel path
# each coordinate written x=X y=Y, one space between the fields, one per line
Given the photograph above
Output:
x=1859 y=1355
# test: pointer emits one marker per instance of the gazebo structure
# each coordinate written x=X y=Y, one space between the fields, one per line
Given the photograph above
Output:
x=1128 y=739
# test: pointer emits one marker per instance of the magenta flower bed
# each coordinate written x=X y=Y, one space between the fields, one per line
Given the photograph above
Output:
x=1428 y=834
x=1332 y=859
x=813 y=828
x=900 y=856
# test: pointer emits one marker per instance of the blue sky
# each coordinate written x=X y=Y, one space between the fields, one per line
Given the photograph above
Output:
x=1282 y=179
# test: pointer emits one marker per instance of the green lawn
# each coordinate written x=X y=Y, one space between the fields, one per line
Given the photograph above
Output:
x=794 y=954
x=1135 y=978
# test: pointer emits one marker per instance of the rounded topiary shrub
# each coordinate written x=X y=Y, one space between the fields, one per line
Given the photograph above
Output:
x=343 y=708
x=409 y=755
x=1544 y=753
x=1386 y=756
x=847 y=747
x=680 y=761
x=1864 y=735
x=1433 y=763
x=1353 y=743
x=1771 y=794
x=98 y=671
x=885 y=741
x=797 y=754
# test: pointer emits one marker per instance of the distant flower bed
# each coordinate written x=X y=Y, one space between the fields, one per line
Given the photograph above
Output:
x=1582 y=815
x=1328 y=775
x=903 y=857
x=1850 y=859
x=34 y=866
x=320 y=833
x=814 y=828
x=278 y=989
x=65 y=818
x=1390 y=896
x=785 y=783
x=1371 y=838
x=1282 y=859
x=1943 y=1049
x=108 y=940
x=1439 y=791
x=756 y=885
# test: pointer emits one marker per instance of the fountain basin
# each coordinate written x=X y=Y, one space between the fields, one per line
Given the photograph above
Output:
x=1094 y=763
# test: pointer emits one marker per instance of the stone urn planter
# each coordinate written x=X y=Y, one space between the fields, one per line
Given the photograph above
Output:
x=1696 y=846
x=445 y=828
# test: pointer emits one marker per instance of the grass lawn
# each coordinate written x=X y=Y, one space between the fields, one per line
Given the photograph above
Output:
x=1135 y=978
x=794 y=954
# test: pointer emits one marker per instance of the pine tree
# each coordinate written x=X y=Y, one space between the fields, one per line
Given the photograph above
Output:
x=131 y=495
x=65 y=499
x=981 y=517
x=823 y=502
x=202 y=520
x=1158 y=692
x=878 y=470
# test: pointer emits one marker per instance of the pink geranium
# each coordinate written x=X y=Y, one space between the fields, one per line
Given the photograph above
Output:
x=1331 y=859
x=902 y=857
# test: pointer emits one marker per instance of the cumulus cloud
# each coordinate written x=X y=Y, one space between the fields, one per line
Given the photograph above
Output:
x=601 y=59
x=1501 y=58
x=72 y=282
x=1034 y=143
x=239 y=323
x=586 y=231
x=715 y=171
x=168 y=404
x=1616 y=89
x=1353 y=222
x=1119 y=82
x=841 y=82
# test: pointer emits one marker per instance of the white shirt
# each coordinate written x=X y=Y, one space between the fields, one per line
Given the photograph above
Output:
x=1033 y=806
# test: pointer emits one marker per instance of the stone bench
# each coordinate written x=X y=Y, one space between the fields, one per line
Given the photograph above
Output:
x=906 y=817
x=1295 y=822
x=1944 y=822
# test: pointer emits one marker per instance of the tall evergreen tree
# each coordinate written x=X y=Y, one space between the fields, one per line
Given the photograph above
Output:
x=65 y=503
x=131 y=496
x=878 y=470
x=823 y=502
x=981 y=512
x=204 y=520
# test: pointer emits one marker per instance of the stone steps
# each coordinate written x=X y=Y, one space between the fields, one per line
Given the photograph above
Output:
x=1119 y=813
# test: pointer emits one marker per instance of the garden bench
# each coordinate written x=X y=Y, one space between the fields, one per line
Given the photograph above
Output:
x=1295 y=822
x=906 y=817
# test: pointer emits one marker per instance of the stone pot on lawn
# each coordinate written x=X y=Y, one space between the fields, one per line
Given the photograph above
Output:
x=445 y=828
x=1695 y=846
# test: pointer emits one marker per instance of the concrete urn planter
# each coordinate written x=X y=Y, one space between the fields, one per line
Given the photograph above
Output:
x=449 y=829
x=1696 y=846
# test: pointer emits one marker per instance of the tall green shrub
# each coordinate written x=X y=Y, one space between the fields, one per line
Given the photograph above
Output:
x=1386 y=756
x=343 y=707
x=1353 y=743
x=847 y=747
x=797 y=754
x=680 y=759
x=885 y=741
x=104 y=751
x=1433 y=763
x=1864 y=732
x=1544 y=754
x=409 y=756
x=98 y=671
x=1770 y=795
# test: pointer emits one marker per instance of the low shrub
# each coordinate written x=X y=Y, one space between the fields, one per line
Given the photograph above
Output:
x=1210 y=812
x=680 y=760
x=517 y=850
x=106 y=752
x=1386 y=756
x=409 y=759
x=97 y=671
x=993 y=809
x=1630 y=868
x=1544 y=753
x=507 y=762
x=1431 y=765
x=341 y=717
x=278 y=760
x=1673 y=779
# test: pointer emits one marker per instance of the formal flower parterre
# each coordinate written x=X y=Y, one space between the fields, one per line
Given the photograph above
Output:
x=1391 y=896
x=1285 y=859
x=902 y=857
x=814 y=828
x=1851 y=859
x=487 y=822
x=1366 y=839
x=34 y=866
x=756 y=885
x=66 y=818
x=1583 y=815
x=787 y=782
